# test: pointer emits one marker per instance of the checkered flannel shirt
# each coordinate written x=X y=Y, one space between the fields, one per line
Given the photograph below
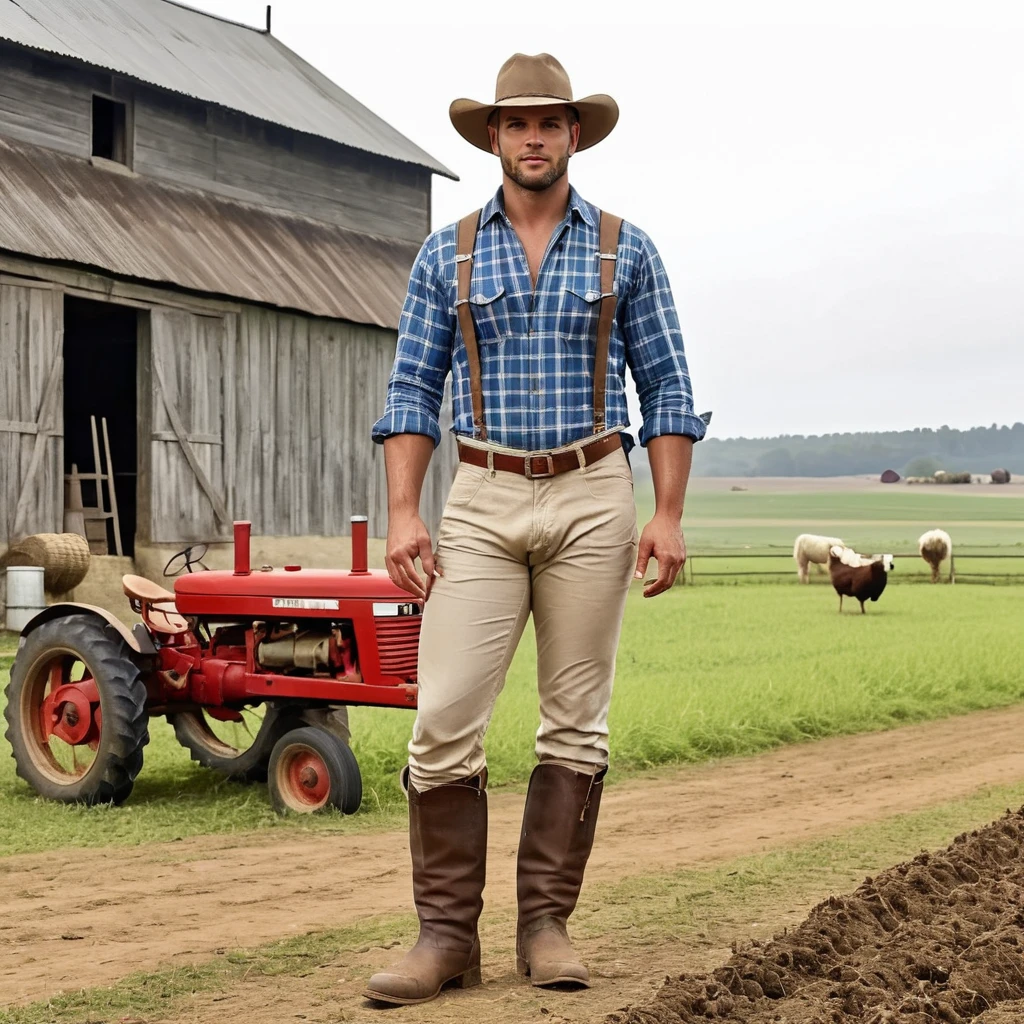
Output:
x=537 y=344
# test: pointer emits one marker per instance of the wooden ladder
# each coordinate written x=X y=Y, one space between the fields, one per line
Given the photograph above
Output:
x=91 y=521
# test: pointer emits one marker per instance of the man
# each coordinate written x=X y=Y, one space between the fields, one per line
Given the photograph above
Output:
x=536 y=316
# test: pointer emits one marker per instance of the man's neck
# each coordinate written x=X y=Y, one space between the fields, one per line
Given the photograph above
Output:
x=532 y=210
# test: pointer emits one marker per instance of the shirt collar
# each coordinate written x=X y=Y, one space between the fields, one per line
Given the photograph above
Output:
x=577 y=206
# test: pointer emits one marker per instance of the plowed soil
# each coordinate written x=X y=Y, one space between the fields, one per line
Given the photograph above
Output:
x=938 y=939
x=82 y=918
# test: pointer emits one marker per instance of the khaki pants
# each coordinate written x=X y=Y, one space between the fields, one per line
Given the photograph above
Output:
x=563 y=548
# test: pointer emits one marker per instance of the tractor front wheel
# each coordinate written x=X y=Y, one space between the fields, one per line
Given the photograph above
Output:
x=311 y=769
x=76 y=712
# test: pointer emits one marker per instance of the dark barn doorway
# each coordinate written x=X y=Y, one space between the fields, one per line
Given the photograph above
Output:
x=100 y=366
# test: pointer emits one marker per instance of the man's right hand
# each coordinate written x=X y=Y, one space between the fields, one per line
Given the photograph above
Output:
x=408 y=539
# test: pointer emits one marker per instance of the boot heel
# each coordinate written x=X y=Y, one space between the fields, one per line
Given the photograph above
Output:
x=468 y=978
x=522 y=966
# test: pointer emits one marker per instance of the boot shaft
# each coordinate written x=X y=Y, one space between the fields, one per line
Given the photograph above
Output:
x=448 y=843
x=559 y=822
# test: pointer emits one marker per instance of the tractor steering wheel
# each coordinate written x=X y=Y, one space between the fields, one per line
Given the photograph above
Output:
x=192 y=555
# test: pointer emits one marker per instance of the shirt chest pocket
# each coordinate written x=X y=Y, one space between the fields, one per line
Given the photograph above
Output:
x=579 y=307
x=490 y=316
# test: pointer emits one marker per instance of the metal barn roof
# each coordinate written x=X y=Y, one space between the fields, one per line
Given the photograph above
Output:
x=186 y=51
x=59 y=207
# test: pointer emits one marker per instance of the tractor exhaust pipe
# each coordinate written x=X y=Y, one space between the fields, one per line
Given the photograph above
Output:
x=243 y=529
x=359 y=558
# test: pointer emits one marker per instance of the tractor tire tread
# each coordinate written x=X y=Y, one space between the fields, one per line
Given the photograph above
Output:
x=123 y=701
x=248 y=766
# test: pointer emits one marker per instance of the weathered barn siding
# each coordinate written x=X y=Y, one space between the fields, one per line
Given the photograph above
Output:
x=46 y=103
x=191 y=143
x=186 y=369
x=31 y=410
x=307 y=393
x=194 y=144
x=277 y=409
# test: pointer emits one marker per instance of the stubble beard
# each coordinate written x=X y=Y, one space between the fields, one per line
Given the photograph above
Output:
x=555 y=171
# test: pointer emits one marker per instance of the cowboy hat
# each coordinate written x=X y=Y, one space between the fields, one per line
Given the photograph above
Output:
x=538 y=81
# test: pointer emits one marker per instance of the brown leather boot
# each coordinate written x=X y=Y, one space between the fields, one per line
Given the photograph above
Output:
x=558 y=834
x=448 y=841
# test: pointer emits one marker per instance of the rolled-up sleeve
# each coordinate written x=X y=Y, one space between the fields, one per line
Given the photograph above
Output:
x=654 y=351
x=423 y=357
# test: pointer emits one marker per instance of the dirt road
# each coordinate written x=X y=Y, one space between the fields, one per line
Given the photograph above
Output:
x=80 y=918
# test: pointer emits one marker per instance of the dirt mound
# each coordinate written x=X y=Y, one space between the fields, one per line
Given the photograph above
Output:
x=940 y=938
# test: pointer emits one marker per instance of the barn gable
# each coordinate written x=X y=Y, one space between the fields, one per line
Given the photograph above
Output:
x=195 y=54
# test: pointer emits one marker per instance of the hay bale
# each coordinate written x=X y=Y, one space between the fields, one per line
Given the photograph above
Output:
x=890 y=476
x=1000 y=476
x=64 y=558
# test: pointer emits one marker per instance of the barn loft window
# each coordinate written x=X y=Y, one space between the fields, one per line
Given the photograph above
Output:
x=109 y=129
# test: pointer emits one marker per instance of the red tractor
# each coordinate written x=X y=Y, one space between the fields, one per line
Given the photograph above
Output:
x=253 y=668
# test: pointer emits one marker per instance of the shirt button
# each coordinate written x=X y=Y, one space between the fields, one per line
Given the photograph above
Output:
x=478 y=297
x=593 y=296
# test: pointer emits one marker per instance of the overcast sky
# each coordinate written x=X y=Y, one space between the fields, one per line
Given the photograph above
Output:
x=836 y=189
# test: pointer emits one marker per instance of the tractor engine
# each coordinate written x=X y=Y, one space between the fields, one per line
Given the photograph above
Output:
x=288 y=647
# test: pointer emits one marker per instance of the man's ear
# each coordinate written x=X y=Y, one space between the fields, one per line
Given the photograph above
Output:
x=574 y=137
x=493 y=133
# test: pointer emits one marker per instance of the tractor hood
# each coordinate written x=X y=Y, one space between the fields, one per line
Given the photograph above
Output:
x=281 y=591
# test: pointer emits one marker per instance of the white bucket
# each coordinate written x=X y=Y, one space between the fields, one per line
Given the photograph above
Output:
x=25 y=596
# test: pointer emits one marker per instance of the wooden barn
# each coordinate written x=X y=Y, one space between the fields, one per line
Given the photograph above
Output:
x=205 y=244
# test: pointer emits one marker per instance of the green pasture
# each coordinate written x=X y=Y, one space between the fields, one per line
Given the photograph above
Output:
x=702 y=673
x=872 y=521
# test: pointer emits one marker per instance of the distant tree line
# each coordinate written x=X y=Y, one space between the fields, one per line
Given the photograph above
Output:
x=918 y=452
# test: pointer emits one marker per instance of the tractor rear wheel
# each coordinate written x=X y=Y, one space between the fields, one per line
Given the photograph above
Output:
x=310 y=770
x=238 y=743
x=235 y=743
x=76 y=712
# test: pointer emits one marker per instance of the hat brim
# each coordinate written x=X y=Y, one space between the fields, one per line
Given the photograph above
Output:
x=598 y=116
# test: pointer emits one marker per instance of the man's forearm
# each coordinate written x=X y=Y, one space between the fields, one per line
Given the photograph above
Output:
x=406 y=457
x=670 y=456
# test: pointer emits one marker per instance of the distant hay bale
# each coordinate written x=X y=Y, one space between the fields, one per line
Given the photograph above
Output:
x=64 y=558
x=942 y=477
x=890 y=476
x=1000 y=476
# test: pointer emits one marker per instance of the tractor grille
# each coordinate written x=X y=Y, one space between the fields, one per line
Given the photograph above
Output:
x=398 y=640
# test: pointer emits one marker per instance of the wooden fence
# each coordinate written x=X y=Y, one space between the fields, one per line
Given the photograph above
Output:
x=962 y=567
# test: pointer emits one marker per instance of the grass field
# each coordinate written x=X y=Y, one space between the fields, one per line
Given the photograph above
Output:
x=720 y=522
x=703 y=672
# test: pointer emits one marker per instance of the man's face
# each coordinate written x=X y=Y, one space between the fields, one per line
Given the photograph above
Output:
x=534 y=143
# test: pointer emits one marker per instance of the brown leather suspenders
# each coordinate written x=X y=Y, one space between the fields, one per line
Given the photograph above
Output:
x=464 y=266
x=607 y=253
x=610 y=227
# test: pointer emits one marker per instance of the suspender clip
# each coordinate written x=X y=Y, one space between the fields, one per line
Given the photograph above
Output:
x=461 y=257
x=600 y=255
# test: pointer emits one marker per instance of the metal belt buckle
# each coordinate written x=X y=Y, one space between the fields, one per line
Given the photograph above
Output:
x=545 y=460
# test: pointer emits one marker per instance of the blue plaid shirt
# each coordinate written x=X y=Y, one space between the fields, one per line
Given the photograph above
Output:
x=537 y=344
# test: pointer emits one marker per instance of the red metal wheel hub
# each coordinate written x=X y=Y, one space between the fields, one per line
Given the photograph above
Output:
x=308 y=778
x=71 y=713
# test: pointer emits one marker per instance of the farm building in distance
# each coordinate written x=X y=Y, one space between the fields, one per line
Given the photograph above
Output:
x=205 y=243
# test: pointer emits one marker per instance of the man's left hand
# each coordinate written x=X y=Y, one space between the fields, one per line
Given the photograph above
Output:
x=662 y=540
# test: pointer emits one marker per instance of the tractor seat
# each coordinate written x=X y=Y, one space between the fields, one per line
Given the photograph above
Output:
x=145 y=590
x=145 y=597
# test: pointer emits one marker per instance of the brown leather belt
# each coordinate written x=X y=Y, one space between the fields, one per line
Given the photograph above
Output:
x=538 y=465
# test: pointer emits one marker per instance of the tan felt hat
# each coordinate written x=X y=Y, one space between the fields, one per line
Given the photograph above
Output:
x=537 y=81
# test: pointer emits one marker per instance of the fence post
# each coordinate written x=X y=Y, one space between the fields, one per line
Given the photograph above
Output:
x=952 y=568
